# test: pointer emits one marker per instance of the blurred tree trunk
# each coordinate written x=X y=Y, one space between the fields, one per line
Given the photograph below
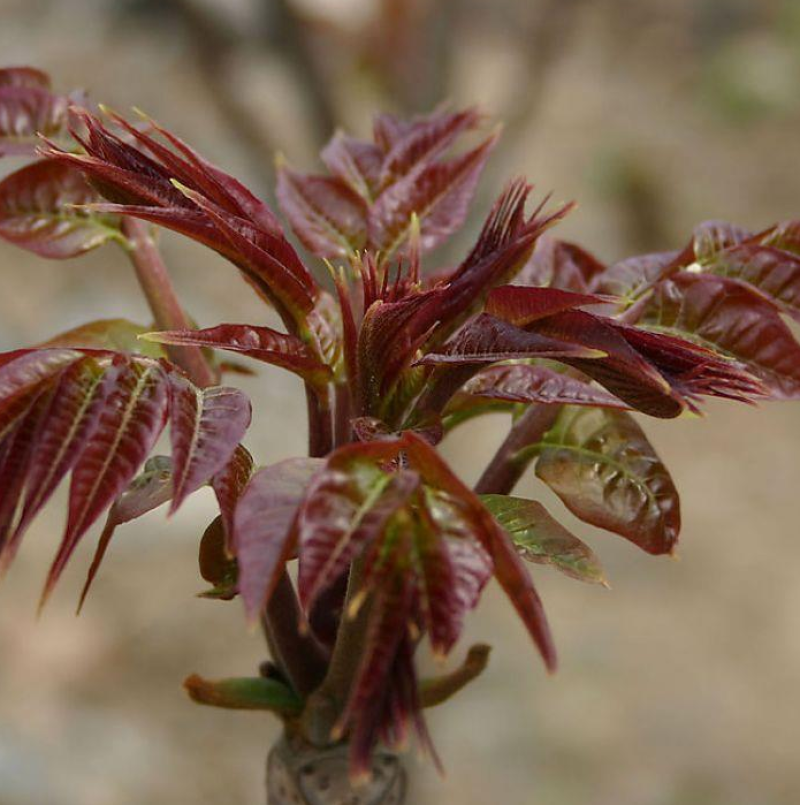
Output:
x=301 y=774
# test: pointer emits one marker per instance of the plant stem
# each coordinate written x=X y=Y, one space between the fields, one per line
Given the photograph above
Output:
x=298 y=655
x=325 y=706
x=341 y=424
x=504 y=470
x=162 y=299
x=320 y=424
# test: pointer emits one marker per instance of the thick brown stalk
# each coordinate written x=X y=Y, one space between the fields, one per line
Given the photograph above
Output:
x=163 y=301
x=505 y=469
x=301 y=774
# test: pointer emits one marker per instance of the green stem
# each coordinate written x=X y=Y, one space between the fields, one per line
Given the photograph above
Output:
x=162 y=299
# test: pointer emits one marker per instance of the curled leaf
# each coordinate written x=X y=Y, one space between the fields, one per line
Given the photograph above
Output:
x=732 y=319
x=601 y=465
x=540 y=538
x=39 y=211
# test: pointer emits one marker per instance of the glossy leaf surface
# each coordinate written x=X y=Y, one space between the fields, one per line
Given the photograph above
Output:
x=601 y=465
x=206 y=426
x=37 y=212
x=528 y=383
x=732 y=319
x=261 y=343
x=540 y=538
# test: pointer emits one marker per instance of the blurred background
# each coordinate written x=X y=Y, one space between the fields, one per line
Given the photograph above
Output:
x=680 y=685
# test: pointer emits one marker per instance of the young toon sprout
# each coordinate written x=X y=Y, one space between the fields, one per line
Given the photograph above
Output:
x=392 y=548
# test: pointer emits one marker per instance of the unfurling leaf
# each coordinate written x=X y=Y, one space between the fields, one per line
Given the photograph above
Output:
x=439 y=195
x=175 y=187
x=632 y=276
x=28 y=109
x=558 y=264
x=356 y=163
x=712 y=237
x=772 y=272
x=260 y=343
x=540 y=538
x=732 y=319
x=24 y=77
x=326 y=215
x=38 y=212
x=601 y=465
x=216 y=564
x=347 y=505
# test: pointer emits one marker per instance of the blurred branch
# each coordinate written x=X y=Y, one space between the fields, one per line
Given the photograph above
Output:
x=213 y=43
x=287 y=32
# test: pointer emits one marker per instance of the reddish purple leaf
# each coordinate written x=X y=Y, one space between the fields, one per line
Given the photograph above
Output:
x=366 y=707
x=228 y=485
x=260 y=343
x=263 y=530
x=209 y=206
x=558 y=264
x=128 y=426
x=356 y=163
x=37 y=212
x=773 y=272
x=629 y=278
x=26 y=111
x=269 y=261
x=424 y=140
x=69 y=423
x=505 y=241
x=712 y=237
x=15 y=456
x=526 y=383
x=206 y=426
x=22 y=371
x=24 y=77
x=508 y=568
x=734 y=320
x=487 y=339
x=785 y=235
x=326 y=215
x=347 y=505
x=439 y=195
x=523 y=306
